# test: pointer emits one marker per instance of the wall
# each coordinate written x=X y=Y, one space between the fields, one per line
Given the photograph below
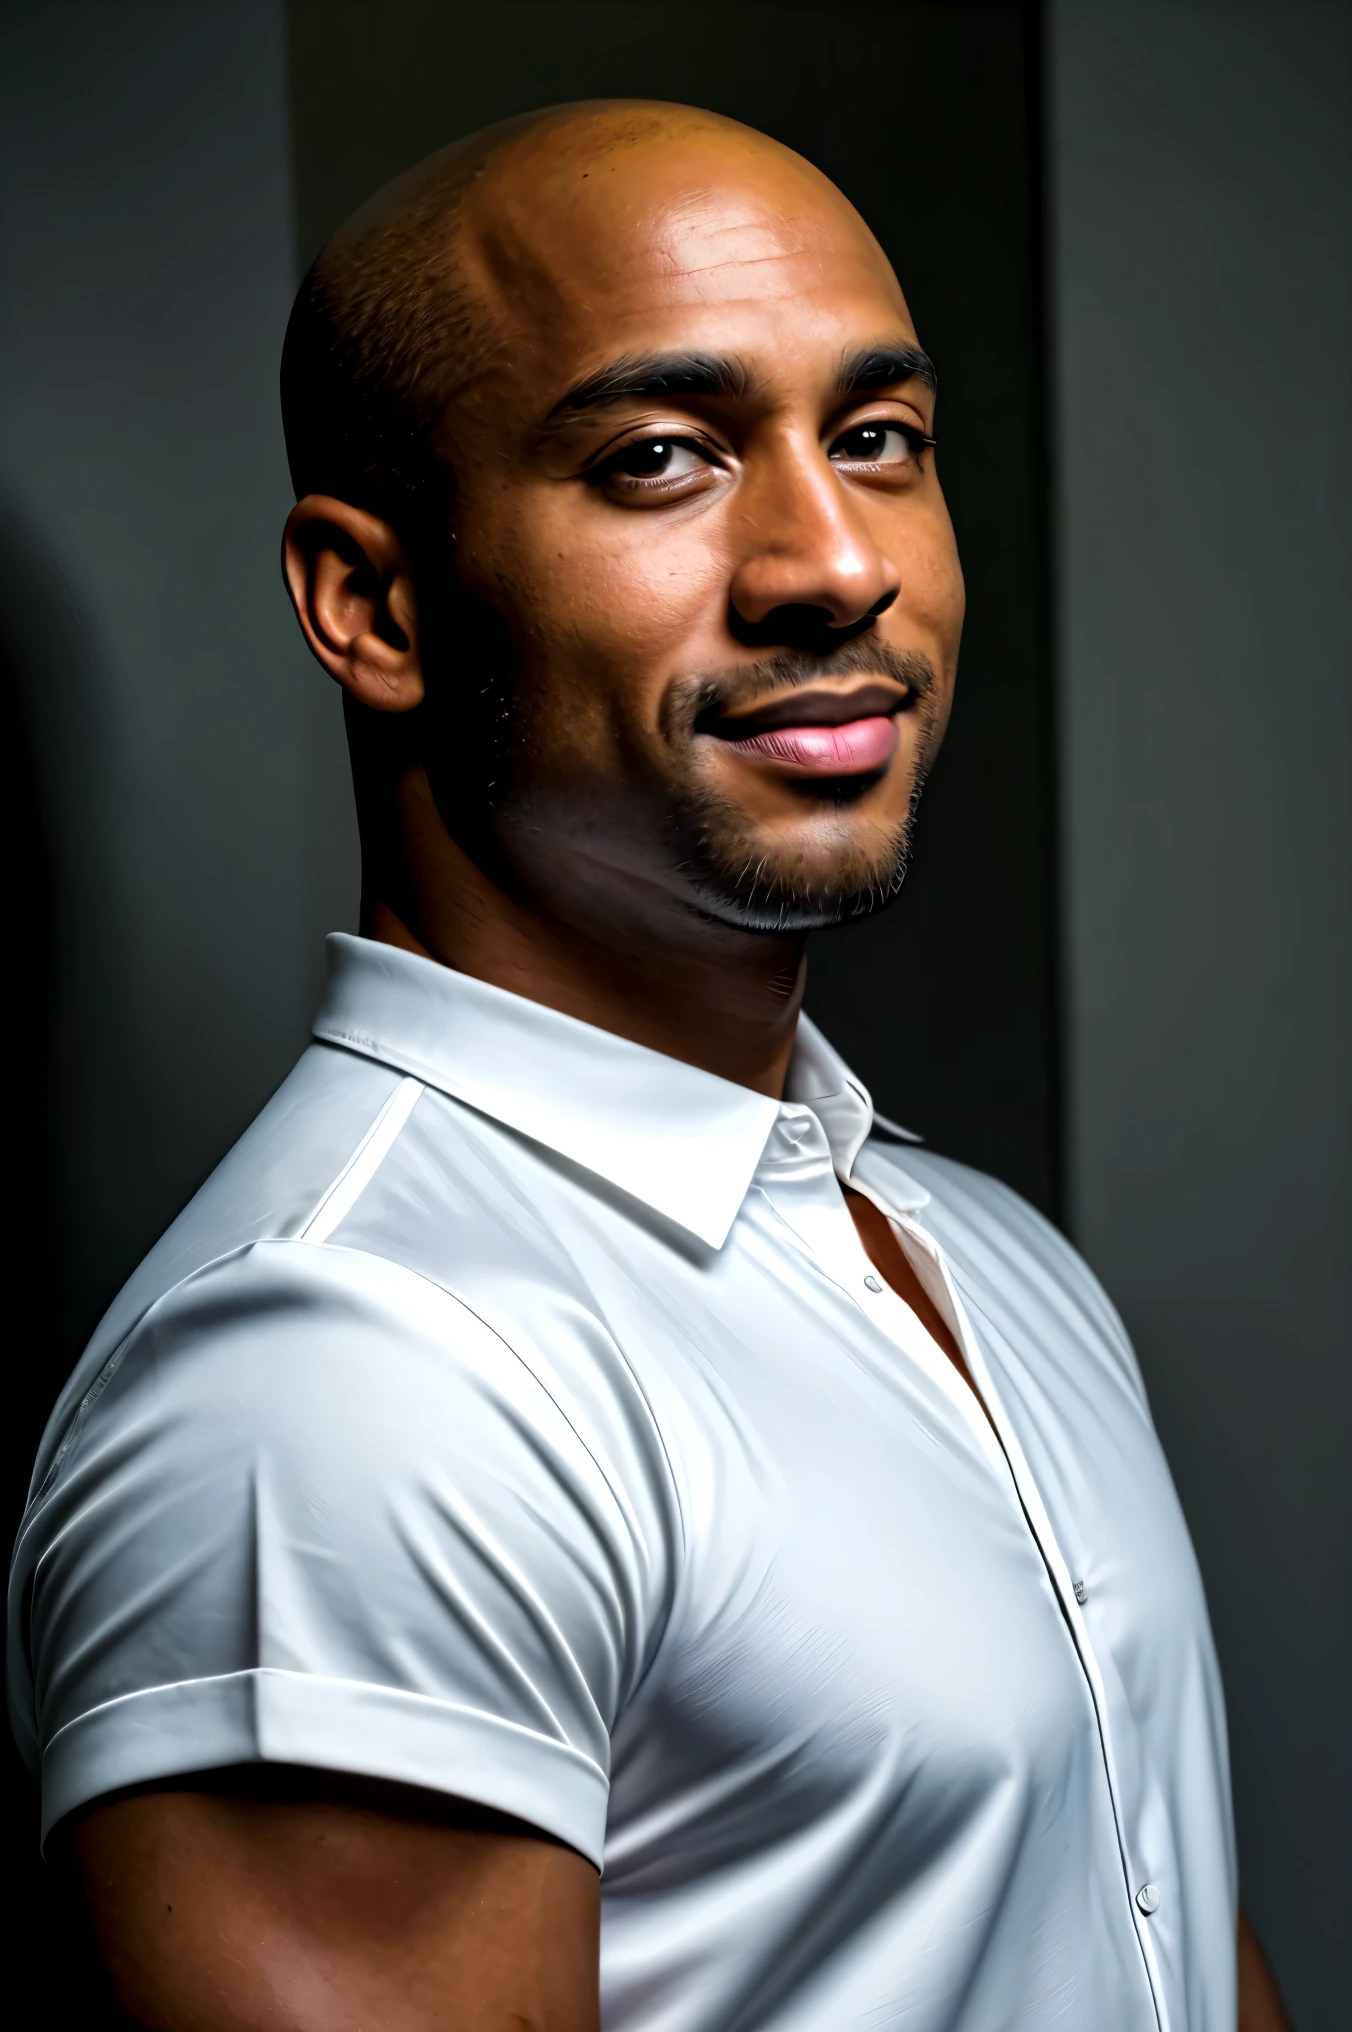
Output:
x=186 y=757
x=176 y=835
x=174 y=797
x=1200 y=165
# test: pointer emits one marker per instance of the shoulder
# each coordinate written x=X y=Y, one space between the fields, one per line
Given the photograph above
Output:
x=1009 y=1256
x=314 y=1461
x=270 y=1184
x=300 y=1357
x=366 y=1242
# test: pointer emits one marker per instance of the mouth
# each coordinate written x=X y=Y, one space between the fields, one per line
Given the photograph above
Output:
x=819 y=730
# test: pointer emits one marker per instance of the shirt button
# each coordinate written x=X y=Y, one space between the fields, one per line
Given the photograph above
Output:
x=1148 y=1898
x=872 y=1284
x=1081 y=1593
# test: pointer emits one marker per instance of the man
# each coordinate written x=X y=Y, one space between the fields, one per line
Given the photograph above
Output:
x=569 y=1430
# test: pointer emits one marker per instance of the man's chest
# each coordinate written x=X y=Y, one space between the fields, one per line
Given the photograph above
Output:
x=862 y=1606
x=866 y=1609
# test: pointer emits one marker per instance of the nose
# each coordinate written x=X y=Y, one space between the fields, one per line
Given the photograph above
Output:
x=808 y=548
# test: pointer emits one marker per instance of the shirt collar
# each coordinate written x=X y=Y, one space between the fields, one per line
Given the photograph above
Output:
x=683 y=1141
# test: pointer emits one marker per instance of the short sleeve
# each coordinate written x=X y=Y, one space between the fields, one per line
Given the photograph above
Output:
x=314 y=1511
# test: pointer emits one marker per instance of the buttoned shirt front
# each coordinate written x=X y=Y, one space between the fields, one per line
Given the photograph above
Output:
x=515 y=1413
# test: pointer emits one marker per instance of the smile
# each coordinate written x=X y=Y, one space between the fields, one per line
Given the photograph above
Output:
x=818 y=732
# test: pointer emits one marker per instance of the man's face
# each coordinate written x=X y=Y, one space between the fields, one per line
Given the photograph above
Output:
x=690 y=490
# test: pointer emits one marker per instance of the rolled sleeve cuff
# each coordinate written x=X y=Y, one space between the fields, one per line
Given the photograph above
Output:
x=273 y=1717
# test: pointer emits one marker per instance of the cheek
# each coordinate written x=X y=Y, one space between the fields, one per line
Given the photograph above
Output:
x=639 y=588
x=601 y=613
x=936 y=594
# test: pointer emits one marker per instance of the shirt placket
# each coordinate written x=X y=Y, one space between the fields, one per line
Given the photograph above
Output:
x=808 y=1200
x=1143 y=1897
x=800 y=1182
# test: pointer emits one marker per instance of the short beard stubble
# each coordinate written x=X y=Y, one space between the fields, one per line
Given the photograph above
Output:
x=739 y=882
x=735 y=881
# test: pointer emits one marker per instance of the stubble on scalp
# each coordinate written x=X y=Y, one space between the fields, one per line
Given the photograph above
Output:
x=396 y=316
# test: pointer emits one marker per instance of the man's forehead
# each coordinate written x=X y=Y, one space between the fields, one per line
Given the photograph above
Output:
x=639 y=243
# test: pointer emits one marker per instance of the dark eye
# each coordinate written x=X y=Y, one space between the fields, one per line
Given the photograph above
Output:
x=879 y=444
x=655 y=458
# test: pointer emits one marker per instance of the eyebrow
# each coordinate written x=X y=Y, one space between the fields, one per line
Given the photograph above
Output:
x=884 y=367
x=639 y=376
x=647 y=376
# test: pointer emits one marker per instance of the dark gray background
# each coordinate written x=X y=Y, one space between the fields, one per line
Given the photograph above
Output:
x=176 y=829
x=176 y=810
x=1200 y=170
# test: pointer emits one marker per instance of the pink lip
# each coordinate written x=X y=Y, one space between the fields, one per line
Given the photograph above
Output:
x=850 y=750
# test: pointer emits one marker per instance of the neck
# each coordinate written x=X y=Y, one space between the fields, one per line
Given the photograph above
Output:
x=652 y=970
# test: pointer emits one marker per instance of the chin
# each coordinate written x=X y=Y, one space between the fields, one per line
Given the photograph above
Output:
x=742 y=879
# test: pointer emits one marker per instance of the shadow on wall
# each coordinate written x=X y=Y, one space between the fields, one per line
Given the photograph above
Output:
x=61 y=882
x=51 y=699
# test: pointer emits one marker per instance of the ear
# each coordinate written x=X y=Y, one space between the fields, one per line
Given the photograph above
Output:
x=352 y=588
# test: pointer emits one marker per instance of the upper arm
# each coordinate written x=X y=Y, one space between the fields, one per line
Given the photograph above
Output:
x=320 y=1515
x=1260 y=2004
x=216 y=1913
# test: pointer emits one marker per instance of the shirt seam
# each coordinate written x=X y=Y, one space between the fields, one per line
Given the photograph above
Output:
x=456 y=1298
x=405 y=1270
x=110 y=1367
x=384 y=1131
x=335 y=1682
x=413 y=1065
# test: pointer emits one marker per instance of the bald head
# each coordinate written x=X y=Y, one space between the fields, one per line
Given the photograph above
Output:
x=587 y=414
x=493 y=244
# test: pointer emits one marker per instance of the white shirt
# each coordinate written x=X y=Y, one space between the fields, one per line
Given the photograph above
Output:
x=515 y=1413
